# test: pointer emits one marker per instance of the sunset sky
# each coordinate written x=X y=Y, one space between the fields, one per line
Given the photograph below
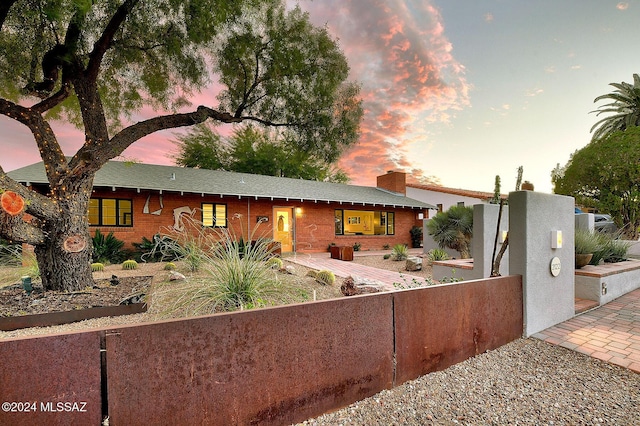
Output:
x=459 y=90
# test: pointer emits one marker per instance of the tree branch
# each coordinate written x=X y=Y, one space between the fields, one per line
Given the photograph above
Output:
x=102 y=44
x=50 y=150
x=17 y=230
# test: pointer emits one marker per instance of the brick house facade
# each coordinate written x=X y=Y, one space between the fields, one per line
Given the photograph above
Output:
x=141 y=200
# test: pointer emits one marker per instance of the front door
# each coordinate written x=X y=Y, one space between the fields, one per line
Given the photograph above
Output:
x=283 y=227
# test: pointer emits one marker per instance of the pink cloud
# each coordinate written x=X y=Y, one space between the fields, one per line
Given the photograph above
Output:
x=398 y=51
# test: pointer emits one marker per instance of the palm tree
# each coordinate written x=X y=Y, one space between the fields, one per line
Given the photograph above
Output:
x=625 y=106
x=453 y=229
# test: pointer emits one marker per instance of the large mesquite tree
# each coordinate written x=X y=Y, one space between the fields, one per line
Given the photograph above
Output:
x=96 y=62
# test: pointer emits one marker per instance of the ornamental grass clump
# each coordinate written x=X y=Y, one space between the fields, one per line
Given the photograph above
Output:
x=437 y=254
x=239 y=276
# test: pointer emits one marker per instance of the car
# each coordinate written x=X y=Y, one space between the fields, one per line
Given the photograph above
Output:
x=604 y=223
x=601 y=222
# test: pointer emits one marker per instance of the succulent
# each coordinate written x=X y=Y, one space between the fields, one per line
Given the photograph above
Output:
x=130 y=264
x=170 y=266
x=97 y=267
x=325 y=277
x=275 y=263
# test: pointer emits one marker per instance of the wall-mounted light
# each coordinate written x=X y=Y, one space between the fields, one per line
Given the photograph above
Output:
x=503 y=236
x=298 y=210
x=556 y=239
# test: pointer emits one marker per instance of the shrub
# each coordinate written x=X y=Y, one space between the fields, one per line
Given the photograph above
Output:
x=586 y=242
x=618 y=250
x=399 y=252
x=416 y=236
x=453 y=229
x=386 y=256
x=170 y=266
x=437 y=254
x=275 y=263
x=97 y=267
x=356 y=246
x=385 y=246
x=130 y=264
x=10 y=254
x=160 y=248
x=107 y=249
x=325 y=277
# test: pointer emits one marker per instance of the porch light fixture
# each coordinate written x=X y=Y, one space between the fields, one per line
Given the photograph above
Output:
x=298 y=210
x=556 y=239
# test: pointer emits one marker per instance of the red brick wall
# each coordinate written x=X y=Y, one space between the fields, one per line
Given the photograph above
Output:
x=314 y=222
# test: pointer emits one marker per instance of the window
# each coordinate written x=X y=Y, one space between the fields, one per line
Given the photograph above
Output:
x=362 y=222
x=460 y=203
x=214 y=215
x=110 y=212
x=439 y=206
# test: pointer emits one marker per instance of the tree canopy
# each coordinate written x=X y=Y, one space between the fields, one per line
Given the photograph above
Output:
x=252 y=150
x=98 y=63
x=625 y=108
x=605 y=174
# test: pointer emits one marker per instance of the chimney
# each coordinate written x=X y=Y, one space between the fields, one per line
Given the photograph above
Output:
x=393 y=181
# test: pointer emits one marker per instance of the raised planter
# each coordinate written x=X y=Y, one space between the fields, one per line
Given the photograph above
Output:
x=66 y=317
x=459 y=268
x=342 y=252
x=606 y=282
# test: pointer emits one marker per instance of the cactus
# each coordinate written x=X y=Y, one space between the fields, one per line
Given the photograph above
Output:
x=97 y=267
x=325 y=277
x=130 y=264
x=170 y=266
x=312 y=273
x=275 y=263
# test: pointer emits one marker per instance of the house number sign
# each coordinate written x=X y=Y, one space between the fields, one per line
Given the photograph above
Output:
x=555 y=266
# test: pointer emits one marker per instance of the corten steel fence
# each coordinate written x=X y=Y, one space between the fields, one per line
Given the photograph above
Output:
x=268 y=366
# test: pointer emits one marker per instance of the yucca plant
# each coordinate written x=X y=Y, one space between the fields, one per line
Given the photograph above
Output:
x=107 y=248
x=453 y=229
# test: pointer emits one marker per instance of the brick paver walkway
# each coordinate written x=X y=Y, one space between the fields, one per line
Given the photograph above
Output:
x=610 y=332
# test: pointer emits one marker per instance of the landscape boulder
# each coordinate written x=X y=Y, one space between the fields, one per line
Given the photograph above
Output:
x=354 y=285
x=414 y=263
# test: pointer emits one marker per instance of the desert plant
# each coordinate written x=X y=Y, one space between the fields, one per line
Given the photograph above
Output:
x=170 y=266
x=129 y=264
x=107 y=249
x=399 y=252
x=386 y=256
x=275 y=263
x=587 y=242
x=386 y=247
x=239 y=276
x=159 y=248
x=325 y=277
x=356 y=246
x=453 y=229
x=312 y=273
x=97 y=267
x=10 y=254
x=618 y=250
x=416 y=236
x=437 y=254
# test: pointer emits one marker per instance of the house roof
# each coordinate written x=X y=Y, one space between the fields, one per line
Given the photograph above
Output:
x=455 y=191
x=138 y=176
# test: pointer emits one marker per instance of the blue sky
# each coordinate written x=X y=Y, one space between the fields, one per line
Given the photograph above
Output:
x=458 y=90
x=521 y=79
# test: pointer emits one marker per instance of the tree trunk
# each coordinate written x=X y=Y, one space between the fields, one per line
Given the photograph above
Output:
x=64 y=258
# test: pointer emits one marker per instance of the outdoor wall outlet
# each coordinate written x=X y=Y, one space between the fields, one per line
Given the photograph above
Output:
x=604 y=288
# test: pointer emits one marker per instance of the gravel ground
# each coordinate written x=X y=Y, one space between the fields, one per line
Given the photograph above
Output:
x=526 y=382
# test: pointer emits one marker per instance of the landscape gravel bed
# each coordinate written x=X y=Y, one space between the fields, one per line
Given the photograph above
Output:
x=526 y=382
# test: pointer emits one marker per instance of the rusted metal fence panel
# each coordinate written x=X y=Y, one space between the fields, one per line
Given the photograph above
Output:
x=51 y=380
x=269 y=366
x=439 y=326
